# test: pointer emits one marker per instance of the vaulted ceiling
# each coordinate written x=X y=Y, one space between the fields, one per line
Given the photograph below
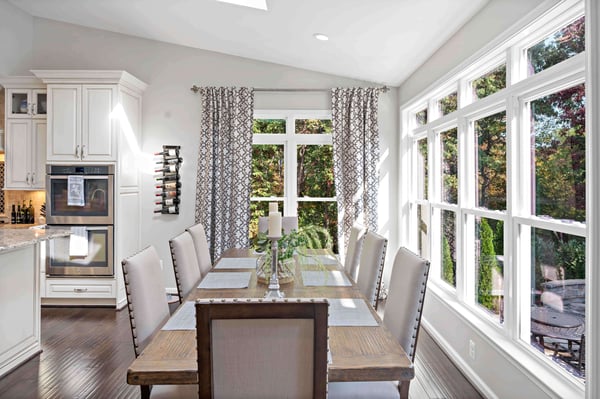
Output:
x=381 y=41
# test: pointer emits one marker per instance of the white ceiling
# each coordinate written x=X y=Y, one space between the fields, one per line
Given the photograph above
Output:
x=381 y=41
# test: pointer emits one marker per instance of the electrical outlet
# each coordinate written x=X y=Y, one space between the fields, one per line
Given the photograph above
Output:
x=472 y=349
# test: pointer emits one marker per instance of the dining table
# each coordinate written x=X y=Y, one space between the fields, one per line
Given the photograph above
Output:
x=359 y=350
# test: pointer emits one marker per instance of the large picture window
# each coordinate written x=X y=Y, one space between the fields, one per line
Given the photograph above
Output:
x=292 y=164
x=498 y=190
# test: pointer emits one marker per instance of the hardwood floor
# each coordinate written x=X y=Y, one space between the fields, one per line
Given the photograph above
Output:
x=86 y=352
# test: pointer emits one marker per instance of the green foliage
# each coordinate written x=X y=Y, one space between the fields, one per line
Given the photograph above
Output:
x=499 y=237
x=491 y=137
x=490 y=83
x=448 y=265
x=448 y=104
x=313 y=126
x=449 y=141
x=487 y=262
x=268 y=126
x=562 y=45
x=571 y=256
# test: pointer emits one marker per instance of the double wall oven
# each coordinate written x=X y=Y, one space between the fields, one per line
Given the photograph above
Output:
x=80 y=198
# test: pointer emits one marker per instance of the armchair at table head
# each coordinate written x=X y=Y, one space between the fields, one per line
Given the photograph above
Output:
x=256 y=348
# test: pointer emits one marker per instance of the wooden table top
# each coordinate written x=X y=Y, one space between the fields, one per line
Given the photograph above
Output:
x=357 y=353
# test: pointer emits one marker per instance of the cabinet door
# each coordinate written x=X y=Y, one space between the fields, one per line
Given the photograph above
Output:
x=38 y=154
x=39 y=104
x=98 y=139
x=64 y=123
x=18 y=103
x=18 y=154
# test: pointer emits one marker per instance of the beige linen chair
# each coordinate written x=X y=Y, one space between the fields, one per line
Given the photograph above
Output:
x=202 y=249
x=256 y=348
x=148 y=310
x=185 y=264
x=353 y=251
x=288 y=223
x=402 y=317
x=370 y=269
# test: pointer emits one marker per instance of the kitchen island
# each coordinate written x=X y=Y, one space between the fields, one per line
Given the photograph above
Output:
x=20 y=294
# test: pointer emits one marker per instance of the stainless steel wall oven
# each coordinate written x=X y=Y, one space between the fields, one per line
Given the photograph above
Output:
x=89 y=249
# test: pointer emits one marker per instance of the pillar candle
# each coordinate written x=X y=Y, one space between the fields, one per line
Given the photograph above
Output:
x=274 y=224
x=272 y=207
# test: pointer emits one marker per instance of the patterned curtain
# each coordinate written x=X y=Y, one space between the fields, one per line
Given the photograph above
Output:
x=224 y=167
x=355 y=157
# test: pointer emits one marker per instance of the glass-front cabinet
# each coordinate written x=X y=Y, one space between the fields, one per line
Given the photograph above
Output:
x=26 y=103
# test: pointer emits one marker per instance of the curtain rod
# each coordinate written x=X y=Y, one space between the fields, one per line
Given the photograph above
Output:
x=196 y=89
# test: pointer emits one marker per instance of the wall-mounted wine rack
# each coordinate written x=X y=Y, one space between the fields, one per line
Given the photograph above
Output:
x=168 y=184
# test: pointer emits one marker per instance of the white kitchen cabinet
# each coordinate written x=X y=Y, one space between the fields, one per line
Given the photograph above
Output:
x=25 y=133
x=26 y=103
x=25 y=157
x=80 y=122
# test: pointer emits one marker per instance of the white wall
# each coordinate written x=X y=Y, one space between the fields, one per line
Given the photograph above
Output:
x=172 y=112
x=16 y=39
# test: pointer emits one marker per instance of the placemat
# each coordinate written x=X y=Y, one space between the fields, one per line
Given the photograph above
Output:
x=225 y=280
x=236 y=263
x=325 y=278
x=350 y=312
x=183 y=319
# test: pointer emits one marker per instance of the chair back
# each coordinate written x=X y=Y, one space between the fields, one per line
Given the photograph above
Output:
x=201 y=245
x=185 y=263
x=370 y=269
x=288 y=223
x=146 y=296
x=353 y=250
x=404 y=304
x=262 y=349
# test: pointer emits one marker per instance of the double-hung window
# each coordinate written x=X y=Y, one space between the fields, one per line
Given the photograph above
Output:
x=292 y=164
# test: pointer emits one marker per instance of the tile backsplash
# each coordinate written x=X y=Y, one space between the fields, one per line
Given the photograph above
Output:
x=17 y=197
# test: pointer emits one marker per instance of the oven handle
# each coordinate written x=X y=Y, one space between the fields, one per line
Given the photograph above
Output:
x=96 y=228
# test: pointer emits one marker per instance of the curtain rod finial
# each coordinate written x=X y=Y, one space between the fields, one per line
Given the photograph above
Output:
x=195 y=89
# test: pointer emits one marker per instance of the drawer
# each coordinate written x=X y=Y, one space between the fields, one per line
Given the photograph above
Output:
x=74 y=288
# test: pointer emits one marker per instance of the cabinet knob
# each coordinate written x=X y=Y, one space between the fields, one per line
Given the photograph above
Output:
x=27 y=179
x=77 y=151
x=83 y=151
x=32 y=178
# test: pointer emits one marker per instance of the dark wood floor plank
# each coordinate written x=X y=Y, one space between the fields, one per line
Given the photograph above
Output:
x=86 y=352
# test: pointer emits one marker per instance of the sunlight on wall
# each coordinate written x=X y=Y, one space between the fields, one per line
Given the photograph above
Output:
x=144 y=162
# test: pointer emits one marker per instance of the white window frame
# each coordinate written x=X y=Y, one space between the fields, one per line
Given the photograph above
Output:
x=290 y=140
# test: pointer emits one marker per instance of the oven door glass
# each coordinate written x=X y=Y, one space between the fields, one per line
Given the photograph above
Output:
x=97 y=208
x=87 y=252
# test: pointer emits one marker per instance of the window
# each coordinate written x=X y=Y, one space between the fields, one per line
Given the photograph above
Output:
x=292 y=164
x=498 y=189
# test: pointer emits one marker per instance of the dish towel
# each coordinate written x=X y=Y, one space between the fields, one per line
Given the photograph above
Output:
x=78 y=242
x=75 y=195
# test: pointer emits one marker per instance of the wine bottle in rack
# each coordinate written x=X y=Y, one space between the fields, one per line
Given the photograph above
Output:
x=169 y=185
x=167 y=176
x=168 y=202
x=167 y=209
x=170 y=161
x=168 y=194
x=168 y=152
x=171 y=168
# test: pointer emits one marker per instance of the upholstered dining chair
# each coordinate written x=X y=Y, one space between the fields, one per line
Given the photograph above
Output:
x=353 y=250
x=288 y=223
x=202 y=249
x=254 y=348
x=185 y=263
x=403 y=309
x=370 y=267
x=148 y=310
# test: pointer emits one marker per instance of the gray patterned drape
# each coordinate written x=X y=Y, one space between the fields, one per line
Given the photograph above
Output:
x=224 y=166
x=355 y=157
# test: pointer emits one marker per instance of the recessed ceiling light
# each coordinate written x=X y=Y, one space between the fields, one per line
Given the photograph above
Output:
x=258 y=4
x=321 y=36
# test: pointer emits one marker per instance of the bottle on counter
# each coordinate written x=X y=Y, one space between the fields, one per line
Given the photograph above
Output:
x=13 y=215
x=31 y=213
x=25 y=215
x=19 y=219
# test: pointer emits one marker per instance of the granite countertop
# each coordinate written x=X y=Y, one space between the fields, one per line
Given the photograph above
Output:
x=16 y=238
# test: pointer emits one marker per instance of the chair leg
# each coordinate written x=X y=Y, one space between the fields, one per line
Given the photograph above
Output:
x=403 y=388
x=145 y=391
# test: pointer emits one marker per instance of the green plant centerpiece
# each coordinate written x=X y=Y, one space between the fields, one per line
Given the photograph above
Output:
x=292 y=246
